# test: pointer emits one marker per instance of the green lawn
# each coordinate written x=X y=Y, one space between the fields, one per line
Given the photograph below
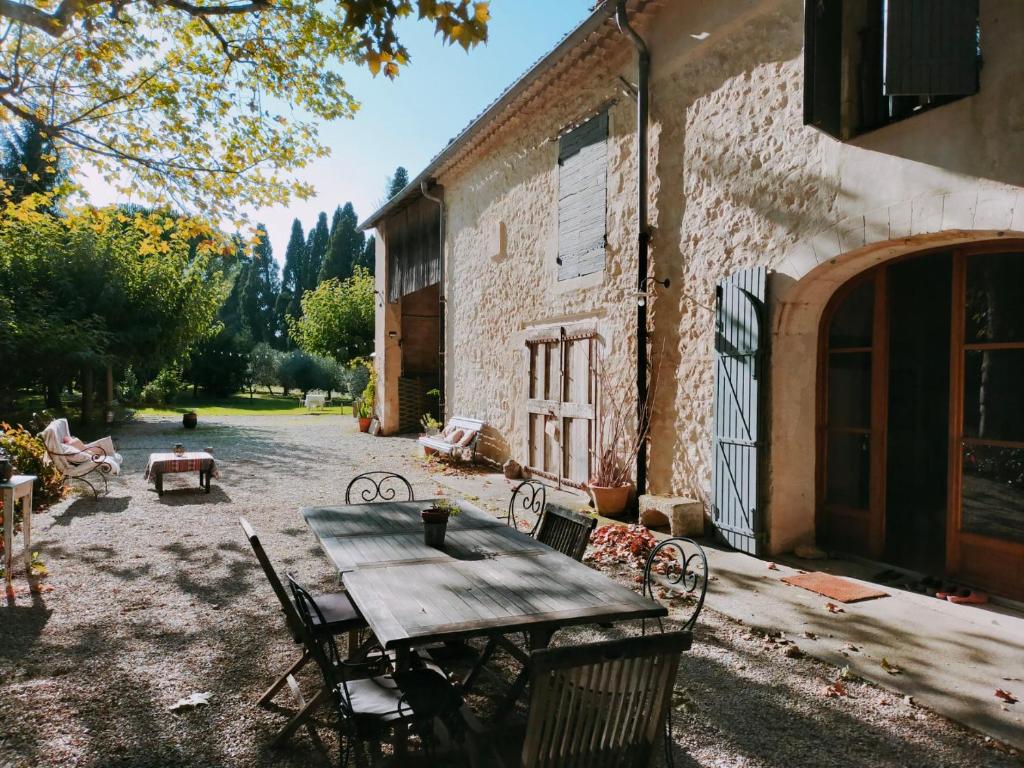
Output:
x=261 y=404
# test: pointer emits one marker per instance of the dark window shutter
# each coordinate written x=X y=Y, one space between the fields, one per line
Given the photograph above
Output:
x=823 y=26
x=740 y=340
x=931 y=47
x=582 y=197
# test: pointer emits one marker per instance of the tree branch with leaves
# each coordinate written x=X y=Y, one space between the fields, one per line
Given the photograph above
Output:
x=211 y=107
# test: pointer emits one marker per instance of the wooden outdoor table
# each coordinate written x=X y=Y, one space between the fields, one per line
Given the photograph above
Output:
x=18 y=487
x=490 y=579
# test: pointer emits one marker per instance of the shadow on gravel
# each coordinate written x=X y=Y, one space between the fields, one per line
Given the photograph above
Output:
x=191 y=497
x=88 y=506
x=21 y=626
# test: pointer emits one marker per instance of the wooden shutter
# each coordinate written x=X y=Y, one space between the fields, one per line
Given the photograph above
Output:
x=561 y=392
x=582 y=198
x=739 y=335
x=931 y=47
x=823 y=52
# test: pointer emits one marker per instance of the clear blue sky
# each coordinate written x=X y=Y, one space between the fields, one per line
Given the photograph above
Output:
x=408 y=120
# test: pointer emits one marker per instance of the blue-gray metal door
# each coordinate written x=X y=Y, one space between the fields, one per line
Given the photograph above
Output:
x=740 y=337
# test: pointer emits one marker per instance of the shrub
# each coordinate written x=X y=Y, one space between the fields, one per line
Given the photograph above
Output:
x=303 y=371
x=164 y=389
x=27 y=452
x=358 y=376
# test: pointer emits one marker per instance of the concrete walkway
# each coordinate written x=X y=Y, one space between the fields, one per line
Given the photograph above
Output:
x=952 y=657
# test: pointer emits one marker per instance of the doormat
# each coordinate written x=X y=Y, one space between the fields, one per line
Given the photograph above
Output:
x=834 y=587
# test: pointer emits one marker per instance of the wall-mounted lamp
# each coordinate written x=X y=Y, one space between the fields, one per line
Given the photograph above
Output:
x=641 y=295
x=392 y=334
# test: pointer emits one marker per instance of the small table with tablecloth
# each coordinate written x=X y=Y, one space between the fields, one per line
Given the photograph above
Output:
x=161 y=464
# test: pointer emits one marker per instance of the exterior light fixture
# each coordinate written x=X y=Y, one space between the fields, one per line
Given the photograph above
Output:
x=641 y=295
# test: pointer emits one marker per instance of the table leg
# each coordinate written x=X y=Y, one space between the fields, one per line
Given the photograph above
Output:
x=159 y=483
x=26 y=529
x=8 y=538
x=209 y=473
x=539 y=638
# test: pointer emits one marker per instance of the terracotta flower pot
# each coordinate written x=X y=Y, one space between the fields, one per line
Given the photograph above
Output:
x=610 y=502
x=364 y=424
x=189 y=420
x=435 y=526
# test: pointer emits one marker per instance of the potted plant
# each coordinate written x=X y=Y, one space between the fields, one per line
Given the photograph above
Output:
x=431 y=426
x=189 y=420
x=435 y=521
x=365 y=415
x=617 y=440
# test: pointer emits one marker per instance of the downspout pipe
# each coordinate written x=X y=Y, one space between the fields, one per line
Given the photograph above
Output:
x=441 y=310
x=643 y=233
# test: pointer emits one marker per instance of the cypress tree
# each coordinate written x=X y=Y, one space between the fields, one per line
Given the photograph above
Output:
x=398 y=182
x=316 y=251
x=346 y=246
x=29 y=162
x=260 y=291
x=369 y=256
x=290 y=297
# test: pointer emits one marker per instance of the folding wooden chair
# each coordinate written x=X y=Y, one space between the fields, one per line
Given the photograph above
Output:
x=565 y=530
x=602 y=705
x=336 y=614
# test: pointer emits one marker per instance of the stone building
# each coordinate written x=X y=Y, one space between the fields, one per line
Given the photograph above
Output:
x=835 y=196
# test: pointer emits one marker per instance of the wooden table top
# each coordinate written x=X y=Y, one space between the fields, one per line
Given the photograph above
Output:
x=489 y=579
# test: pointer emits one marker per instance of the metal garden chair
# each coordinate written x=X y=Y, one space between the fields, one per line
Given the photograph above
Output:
x=565 y=530
x=602 y=704
x=336 y=614
x=379 y=485
x=370 y=701
x=678 y=567
x=528 y=496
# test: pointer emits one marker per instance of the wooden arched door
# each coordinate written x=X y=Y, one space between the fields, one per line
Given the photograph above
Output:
x=921 y=416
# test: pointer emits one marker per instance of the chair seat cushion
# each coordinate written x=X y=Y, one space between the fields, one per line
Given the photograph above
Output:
x=340 y=613
x=427 y=694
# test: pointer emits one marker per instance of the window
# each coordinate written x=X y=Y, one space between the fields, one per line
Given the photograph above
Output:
x=582 y=198
x=868 y=63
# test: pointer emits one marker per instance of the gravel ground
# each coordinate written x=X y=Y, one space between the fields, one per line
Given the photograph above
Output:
x=155 y=599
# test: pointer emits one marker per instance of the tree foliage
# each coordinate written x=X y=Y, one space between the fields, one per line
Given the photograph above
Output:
x=212 y=106
x=102 y=287
x=398 y=182
x=347 y=245
x=337 y=318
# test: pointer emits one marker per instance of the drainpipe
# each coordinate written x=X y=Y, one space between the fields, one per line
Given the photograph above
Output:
x=441 y=301
x=643 y=234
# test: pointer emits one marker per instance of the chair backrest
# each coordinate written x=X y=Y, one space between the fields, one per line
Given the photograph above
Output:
x=679 y=566
x=321 y=645
x=378 y=485
x=291 y=617
x=565 y=530
x=602 y=704
x=528 y=496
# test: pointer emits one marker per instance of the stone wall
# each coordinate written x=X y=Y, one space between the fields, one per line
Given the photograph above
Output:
x=737 y=180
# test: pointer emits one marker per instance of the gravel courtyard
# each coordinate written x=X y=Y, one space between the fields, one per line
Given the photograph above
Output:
x=154 y=599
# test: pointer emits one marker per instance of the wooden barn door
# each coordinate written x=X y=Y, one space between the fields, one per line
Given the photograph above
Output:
x=560 y=406
x=739 y=340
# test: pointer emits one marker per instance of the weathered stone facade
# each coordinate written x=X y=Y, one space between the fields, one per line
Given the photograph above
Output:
x=736 y=180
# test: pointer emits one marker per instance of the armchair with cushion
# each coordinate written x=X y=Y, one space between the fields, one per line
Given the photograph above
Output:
x=77 y=460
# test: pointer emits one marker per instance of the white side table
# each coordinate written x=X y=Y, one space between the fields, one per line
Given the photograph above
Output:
x=18 y=487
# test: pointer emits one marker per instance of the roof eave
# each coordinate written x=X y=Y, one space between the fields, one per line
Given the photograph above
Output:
x=568 y=43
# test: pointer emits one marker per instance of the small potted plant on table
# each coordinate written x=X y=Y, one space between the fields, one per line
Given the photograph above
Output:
x=435 y=521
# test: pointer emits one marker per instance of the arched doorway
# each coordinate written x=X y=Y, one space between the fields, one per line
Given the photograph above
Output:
x=921 y=415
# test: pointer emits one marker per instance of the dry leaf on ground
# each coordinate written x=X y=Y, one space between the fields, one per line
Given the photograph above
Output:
x=1006 y=696
x=192 y=701
x=892 y=669
x=833 y=608
x=835 y=690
